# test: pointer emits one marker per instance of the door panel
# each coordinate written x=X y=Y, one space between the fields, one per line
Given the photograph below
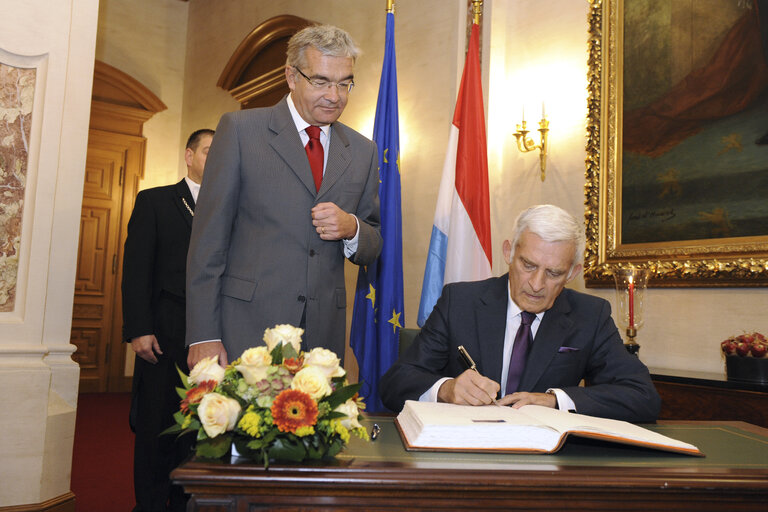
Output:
x=96 y=279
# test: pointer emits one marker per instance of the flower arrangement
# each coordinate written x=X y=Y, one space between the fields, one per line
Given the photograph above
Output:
x=274 y=403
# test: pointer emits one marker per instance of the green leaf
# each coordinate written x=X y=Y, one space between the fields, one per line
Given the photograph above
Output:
x=181 y=392
x=183 y=377
x=333 y=415
x=314 y=450
x=289 y=352
x=277 y=354
x=341 y=395
x=287 y=449
x=215 y=447
x=173 y=429
x=250 y=449
x=335 y=447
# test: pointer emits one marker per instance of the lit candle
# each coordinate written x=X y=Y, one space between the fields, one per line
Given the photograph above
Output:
x=631 y=292
x=543 y=114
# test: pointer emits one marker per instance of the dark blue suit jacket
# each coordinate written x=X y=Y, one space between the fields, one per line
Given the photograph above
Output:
x=576 y=340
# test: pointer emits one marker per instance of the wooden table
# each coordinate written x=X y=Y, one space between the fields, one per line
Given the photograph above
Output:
x=583 y=475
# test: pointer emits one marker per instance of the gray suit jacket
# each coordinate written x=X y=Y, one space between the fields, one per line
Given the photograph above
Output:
x=576 y=340
x=255 y=259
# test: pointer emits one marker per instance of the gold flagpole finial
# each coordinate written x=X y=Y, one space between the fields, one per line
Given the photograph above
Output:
x=391 y=6
x=477 y=10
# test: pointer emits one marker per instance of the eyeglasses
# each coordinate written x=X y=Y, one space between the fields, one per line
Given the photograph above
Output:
x=321 y=83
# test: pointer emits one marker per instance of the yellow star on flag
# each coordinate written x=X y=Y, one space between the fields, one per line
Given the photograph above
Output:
x=371 y=295
x=395 y=321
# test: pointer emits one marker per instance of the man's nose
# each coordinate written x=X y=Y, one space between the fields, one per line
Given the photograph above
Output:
x=537 y=281
x=332 y=93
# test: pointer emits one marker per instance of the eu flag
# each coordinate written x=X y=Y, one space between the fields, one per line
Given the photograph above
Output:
x=378 y=311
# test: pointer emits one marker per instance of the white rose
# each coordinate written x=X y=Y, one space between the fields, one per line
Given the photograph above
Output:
x=326 y=360
x=206 y=369
x=218 y=414
x=253 y=364
x=312 y=381
x=350 y=409
x=283 y=334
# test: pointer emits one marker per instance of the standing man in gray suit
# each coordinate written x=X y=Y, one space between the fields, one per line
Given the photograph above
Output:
x=270 y=235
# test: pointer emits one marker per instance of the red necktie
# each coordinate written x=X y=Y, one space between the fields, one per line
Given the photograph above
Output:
x=523 y=339
x=315 y=154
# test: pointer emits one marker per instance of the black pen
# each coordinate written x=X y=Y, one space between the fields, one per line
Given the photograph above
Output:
x=472 y=366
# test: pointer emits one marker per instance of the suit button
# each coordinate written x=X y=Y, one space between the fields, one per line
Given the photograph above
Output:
x=311 y=252
x=301 y=298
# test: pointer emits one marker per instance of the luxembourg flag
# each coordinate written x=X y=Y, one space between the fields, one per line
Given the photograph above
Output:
x=460 y=246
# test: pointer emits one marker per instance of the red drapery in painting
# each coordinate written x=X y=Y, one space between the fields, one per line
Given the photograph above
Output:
x=735 y=77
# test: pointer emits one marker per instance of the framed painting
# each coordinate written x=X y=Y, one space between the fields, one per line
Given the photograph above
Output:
x=677 y=141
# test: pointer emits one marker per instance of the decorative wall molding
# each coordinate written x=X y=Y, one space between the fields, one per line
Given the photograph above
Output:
x=255 y=73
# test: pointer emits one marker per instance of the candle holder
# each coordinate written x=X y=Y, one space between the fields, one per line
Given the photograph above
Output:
x=630 y=298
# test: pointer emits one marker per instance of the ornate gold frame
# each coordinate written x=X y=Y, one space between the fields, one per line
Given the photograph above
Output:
x=721 y=262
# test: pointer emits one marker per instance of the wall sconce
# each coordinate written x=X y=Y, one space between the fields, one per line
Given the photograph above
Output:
x=526 y=144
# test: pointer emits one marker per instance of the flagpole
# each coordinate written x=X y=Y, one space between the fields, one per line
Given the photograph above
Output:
x=477 y=10
x=391 y=6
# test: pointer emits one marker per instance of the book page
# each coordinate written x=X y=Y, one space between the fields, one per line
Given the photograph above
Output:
x=571 y=422
x=441 y=425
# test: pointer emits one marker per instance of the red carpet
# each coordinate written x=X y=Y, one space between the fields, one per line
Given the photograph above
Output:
x=102 y=461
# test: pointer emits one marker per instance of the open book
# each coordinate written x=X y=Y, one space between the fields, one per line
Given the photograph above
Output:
x=532 y=428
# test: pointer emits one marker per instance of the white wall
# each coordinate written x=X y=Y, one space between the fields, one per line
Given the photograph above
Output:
x=36 y=370
x=147 y=40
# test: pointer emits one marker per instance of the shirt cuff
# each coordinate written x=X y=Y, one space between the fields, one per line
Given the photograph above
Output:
x=350 y=246
x=430 y=395
x=204 y=341
x=564 y=402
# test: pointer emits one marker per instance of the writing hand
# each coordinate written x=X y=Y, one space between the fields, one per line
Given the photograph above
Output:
x=200 y=351
x=146 y=347
x=521 y=398
x=333 y=223
x=469 y=388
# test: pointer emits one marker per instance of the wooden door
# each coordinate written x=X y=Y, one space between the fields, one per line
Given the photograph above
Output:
x=110 y=183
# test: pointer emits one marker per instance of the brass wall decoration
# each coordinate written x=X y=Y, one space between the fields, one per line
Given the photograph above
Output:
x=676 y=180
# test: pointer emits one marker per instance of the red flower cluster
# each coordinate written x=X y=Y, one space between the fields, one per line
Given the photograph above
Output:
x=194 y=395
x=293 y=409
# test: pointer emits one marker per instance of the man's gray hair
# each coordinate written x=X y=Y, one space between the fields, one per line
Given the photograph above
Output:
x=329 y=40
x=551 y=224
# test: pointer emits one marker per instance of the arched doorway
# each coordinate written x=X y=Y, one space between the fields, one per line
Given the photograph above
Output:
x=120 y=106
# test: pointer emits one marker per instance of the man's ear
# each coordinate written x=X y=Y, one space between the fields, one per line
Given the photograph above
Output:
x=188 y=156
x=290 y=77
x=574 y=272
x=506 y=248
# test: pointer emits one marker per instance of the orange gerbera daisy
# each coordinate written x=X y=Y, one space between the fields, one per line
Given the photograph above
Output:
x=293 y=409
x=196 y=394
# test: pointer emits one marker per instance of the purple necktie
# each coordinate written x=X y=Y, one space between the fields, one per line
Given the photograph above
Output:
x=523 y=340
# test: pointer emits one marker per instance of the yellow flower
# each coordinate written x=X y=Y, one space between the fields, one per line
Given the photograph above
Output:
x=250 y=423
x=341 y=430
x=305 y=431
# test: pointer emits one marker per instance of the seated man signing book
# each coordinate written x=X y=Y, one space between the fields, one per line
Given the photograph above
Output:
x=532 y=340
